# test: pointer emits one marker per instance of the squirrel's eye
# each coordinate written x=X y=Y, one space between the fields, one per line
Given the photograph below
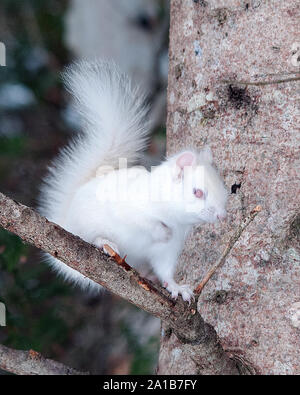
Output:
x=198 y=193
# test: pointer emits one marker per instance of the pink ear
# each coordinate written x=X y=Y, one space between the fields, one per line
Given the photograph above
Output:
x=186 y=159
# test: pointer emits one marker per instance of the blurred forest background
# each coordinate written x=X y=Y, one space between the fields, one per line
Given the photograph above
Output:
x=102 y=334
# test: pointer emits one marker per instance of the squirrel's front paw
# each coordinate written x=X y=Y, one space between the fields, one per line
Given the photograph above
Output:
x=184 y=290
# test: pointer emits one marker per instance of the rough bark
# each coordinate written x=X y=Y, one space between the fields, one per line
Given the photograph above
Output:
x=253 y=301
x=181 y=320
x=32 y=363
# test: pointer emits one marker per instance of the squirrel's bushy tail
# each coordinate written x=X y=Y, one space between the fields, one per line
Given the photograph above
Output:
x=113 y=126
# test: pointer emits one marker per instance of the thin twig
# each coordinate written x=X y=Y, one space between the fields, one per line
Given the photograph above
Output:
x=261 y=83
x=228 y=248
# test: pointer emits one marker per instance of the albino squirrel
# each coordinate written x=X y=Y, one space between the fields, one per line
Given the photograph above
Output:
x=144 y=215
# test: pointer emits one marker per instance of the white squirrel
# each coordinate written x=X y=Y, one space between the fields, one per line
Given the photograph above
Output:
x=149 y=219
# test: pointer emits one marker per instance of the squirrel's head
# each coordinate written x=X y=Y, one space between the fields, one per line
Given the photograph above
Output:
x=204 y=195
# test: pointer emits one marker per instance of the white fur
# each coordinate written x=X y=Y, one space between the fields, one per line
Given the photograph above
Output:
x=84 y=198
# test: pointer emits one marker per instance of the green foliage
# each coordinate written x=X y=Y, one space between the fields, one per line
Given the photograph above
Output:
x=144 y=355
x=34 y=314
x=11 y=250
x=12 y=146
x=35 y=24
x=160 y=132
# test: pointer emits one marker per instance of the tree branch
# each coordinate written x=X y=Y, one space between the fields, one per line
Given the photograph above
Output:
x=122 y=280
x=32 y=363
x=220 y=262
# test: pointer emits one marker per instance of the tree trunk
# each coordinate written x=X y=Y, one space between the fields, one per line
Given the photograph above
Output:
x=234 y=84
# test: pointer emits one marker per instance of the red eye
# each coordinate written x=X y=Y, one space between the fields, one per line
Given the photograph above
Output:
x=198 y=193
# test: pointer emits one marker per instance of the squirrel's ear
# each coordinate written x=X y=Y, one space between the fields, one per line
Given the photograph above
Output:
x=185 y=159
x=206 y=154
